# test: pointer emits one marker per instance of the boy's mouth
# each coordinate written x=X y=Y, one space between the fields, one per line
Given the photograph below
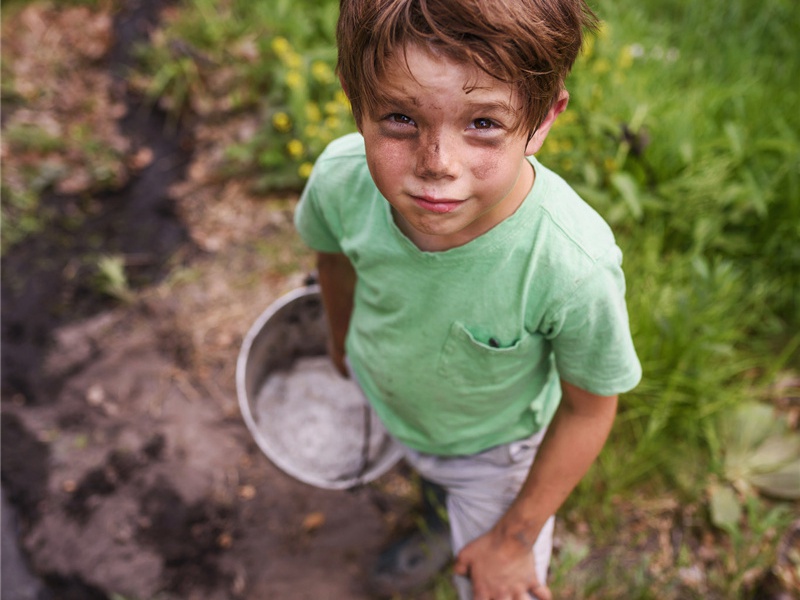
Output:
x=437 y=205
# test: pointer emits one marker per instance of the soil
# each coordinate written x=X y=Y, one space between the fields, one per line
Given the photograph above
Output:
x=126 y=467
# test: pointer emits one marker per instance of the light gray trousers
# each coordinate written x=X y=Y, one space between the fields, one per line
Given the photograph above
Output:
x=480 y=488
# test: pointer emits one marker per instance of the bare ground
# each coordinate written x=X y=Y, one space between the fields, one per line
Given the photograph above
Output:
x=123 y=451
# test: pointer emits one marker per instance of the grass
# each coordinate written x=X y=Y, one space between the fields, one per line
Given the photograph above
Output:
x=684 y=132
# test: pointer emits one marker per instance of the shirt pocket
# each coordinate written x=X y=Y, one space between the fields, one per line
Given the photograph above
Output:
x=465 y=359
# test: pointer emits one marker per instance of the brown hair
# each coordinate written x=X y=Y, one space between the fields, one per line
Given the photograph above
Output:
x=529 y=44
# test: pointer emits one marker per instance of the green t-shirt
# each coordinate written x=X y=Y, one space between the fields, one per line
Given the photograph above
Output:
x=461 y=350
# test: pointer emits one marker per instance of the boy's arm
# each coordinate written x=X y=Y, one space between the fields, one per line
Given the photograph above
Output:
x=337 y=280
x=500 y=563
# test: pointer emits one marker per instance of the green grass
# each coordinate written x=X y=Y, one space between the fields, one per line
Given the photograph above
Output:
x=684 y=131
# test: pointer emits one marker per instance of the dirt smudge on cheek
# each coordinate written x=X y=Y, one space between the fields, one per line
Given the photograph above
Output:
x=489 y=165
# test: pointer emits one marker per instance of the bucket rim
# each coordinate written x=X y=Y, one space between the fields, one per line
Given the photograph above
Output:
x=393 y=455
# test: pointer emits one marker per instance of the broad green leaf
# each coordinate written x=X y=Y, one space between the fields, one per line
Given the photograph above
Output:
x=783 y=483
x=742 y=431
x=775 y=452
x=725 y=508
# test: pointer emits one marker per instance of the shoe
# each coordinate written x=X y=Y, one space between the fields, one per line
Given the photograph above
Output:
x=411 y=564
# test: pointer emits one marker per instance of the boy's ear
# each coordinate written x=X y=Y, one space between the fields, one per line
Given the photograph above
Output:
x=540 y=135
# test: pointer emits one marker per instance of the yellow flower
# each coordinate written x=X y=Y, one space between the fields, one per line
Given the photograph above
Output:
x=332 y=108
x=281 y=46
x=342 y=99
x=305 y=169
x=567 y=118
x=322 y=72
x=295 y=148
x=292 y=60
x=313 y=113
x=281 y=122
x=588 y=46
x=333 y=122
x=294 y=80
x=601 y=66
x=312 y=131
x=625 y=60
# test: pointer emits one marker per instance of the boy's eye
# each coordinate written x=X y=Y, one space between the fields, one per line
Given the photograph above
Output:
x=400 y=118
x=483 y=124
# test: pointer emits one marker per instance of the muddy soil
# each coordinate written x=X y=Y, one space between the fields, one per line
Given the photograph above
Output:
x=125 y=462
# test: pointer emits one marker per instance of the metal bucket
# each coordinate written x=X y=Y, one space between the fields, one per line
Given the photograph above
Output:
x=309 y=421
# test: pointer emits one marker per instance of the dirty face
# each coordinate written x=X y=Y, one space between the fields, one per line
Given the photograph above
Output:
x=443 y=151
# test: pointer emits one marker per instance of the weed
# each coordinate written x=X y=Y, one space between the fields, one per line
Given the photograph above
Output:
x=111 y=278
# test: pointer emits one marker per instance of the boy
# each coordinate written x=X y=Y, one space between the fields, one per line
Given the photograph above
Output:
x=478 y=300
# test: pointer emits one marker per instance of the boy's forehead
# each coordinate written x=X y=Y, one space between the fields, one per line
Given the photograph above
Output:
x=416 y=67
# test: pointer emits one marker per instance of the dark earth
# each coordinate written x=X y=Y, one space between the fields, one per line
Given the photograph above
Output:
x=127 y=471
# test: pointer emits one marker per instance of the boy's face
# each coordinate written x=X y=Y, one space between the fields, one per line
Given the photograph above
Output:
x=442 y=149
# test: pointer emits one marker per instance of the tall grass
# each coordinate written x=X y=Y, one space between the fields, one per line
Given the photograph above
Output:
x=685 y=134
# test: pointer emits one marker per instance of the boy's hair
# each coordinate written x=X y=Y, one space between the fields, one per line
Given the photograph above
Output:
x=529 y=44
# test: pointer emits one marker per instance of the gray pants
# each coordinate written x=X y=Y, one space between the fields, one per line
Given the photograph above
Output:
x=480 y=488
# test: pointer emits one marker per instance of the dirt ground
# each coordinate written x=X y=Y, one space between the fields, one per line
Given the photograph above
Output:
x=127 y=469
x=140 y=477
x=124 y=456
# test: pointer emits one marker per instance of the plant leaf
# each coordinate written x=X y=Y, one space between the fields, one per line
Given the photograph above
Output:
x=775 y=452
x=783 y=483
x=724 y=506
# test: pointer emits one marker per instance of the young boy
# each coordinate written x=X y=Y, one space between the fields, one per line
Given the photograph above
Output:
x=479 y=302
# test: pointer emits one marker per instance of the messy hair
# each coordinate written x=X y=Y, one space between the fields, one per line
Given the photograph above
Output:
x=529 y=44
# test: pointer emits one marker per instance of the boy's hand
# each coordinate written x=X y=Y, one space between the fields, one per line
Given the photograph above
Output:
x=500 y=569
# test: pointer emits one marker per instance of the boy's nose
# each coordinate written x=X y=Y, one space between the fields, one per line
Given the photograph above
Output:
x=437 y=157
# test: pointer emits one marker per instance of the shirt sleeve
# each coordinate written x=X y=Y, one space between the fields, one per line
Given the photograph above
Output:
x=315 y=217
x=590 y=332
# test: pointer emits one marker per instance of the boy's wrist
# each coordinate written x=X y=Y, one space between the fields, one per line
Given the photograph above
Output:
x=518 y=531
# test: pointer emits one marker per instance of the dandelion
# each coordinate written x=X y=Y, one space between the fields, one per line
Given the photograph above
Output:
x=294 y=80
x=342 y=99
x=333 y=122
x=601 y=66
x=295 y=148
x=312 y=131
x=588 y=47
x=313 y=113
x=567 y=118
x=304 y=170
x=281 y=122
x=292 y=60
x=332 y=108
x=322 y=72
x=281 y=46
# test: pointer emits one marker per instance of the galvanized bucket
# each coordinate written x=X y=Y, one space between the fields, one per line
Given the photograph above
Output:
x=309 y=421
